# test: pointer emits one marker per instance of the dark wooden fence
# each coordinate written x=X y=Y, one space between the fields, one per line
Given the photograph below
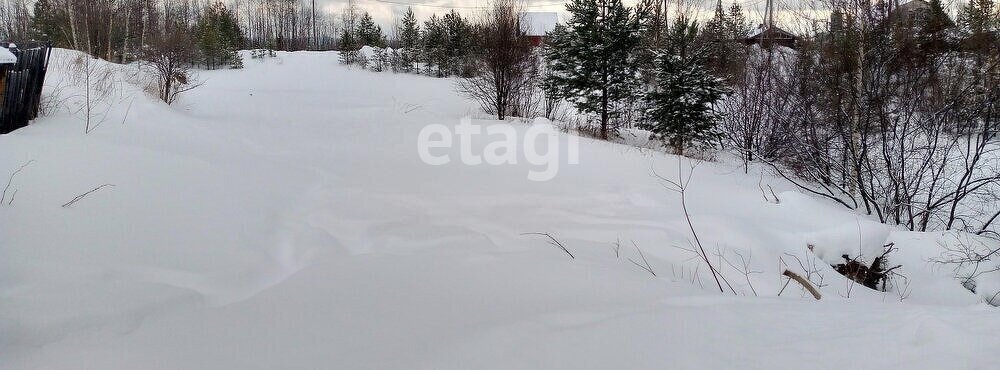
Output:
x=22 y=94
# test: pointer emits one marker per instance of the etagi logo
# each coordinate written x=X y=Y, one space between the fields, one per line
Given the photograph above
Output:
x=540 y=146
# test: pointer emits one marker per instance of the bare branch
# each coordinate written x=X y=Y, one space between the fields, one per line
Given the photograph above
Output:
x=11 y=179
x=554 y=242
x=802 y=281
x=81 y=196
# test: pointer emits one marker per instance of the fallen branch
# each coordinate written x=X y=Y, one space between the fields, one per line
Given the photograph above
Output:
x=554 y=242
x=802 y=281
x=11 y=179
x=81 y=196
x=127 y=111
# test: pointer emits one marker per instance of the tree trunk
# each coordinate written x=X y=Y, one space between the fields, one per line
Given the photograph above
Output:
x=72 y=24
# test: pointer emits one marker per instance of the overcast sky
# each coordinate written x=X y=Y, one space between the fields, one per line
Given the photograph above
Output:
x=385 y=11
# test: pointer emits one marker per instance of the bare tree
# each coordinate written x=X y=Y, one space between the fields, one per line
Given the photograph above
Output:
x=752 y=125
x=170 y=58
x=15 y=19
x=503 y=62
x=879 y=114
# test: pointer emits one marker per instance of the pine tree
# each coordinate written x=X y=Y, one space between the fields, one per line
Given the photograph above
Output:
x=651 y=17
x=349 y=53
x=460 y=36
x=930 y=33
x=592 y=60
x=51 y=23
x=681 y=108
x=409 y=37
x=219 y=37
x=979 y=24
x=347 y=40
x=736 y=29
x=433 y=41
x=369 y=33
x=718 y=43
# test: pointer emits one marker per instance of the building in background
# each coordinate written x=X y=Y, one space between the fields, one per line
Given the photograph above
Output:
x=537 y=24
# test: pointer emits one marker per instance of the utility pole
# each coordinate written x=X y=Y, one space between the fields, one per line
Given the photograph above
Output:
x=314 y=43
x=767 y=36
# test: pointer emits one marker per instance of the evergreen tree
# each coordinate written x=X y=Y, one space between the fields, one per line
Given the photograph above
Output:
x=409 y=37
x=434 y=52
x=459 y=44
x=51 y=22
x=737 y=26
x=349 y=45
x=219 y=37
x=933 y=22
x=651 y=17
x=592 y=60
x=736 y=29
x=681 y=108
x=979 y=24
x=718 y=42
x=369 y=33
x=347 y=40
x=409 y=31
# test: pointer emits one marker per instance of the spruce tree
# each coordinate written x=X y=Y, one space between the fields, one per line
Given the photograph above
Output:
x=592 y=60
x=681 y=108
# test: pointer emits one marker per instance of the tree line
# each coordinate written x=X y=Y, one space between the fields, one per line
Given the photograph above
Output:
x=889 y=110
x=117 y=30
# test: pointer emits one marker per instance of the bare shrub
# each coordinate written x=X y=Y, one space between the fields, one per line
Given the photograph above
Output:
x=170 y=58
x=501 y=82
x=970 y=258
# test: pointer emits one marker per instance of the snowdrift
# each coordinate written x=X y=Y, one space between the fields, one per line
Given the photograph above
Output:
x=280 y=217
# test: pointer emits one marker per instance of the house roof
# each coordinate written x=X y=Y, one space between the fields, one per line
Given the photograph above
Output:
x=6 y=57
x=776 y=32
x=539 y=23
x=912 y=6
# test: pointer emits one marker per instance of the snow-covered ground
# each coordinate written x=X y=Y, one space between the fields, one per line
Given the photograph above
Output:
x=280 y=217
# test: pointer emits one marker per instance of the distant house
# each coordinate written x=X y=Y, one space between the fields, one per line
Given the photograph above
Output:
x=767 y=36
x=537 y=24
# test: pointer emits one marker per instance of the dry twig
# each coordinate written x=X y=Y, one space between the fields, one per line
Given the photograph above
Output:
x=10 y=180
x=81 y=196
x=554 y=242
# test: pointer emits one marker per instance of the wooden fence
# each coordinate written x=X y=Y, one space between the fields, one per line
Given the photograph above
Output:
x=22 y=86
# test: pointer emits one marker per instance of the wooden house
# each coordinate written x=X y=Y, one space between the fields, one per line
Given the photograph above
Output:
x=767 y=36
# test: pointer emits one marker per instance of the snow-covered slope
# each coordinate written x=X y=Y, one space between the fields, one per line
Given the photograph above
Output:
x=280 y=217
